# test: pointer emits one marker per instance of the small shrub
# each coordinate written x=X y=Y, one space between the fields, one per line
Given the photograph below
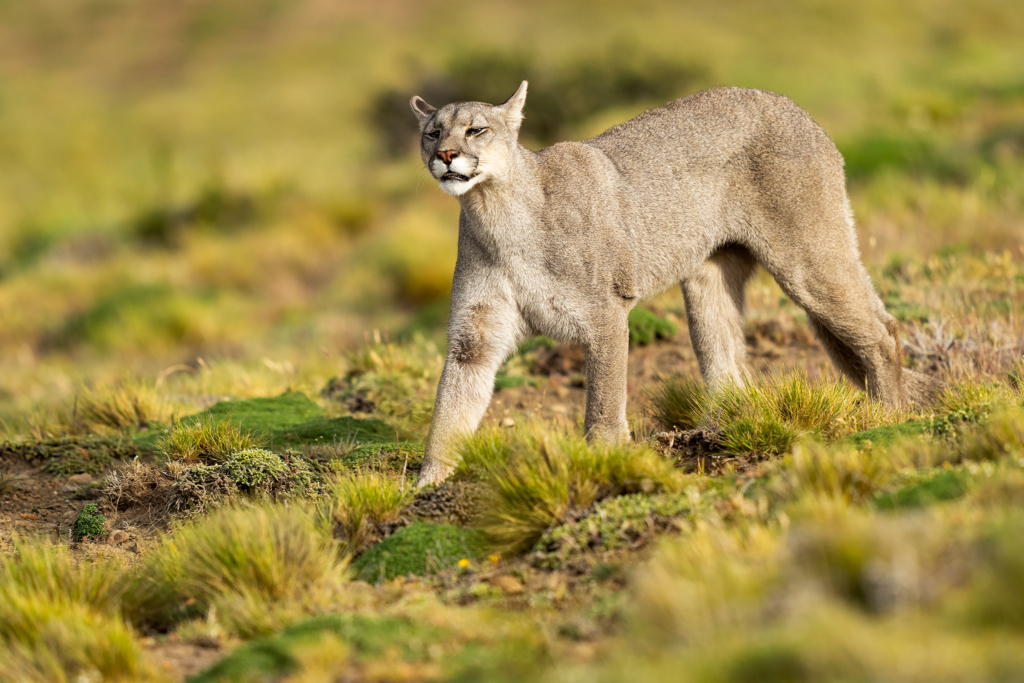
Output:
x=536 y=483
x=207 y=439
x=966 y=403
x=645 y=326
x=89 y=523
x=360 y=503
x=253 y=468
x=1000 y=436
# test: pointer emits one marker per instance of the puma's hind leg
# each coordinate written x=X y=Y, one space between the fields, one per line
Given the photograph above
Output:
x=714 y=312
x=827 y=280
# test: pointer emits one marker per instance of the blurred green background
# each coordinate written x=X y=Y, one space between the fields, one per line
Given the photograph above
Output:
x=238 y=179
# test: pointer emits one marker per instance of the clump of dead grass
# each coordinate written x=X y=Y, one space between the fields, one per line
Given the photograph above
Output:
x=536 y=482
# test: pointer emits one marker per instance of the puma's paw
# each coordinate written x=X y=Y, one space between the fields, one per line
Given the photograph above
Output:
x=433 y=472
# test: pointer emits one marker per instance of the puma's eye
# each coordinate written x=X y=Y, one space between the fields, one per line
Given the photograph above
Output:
x=433 y=135
x=475 y=131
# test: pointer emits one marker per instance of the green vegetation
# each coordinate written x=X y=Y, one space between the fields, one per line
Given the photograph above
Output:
x=207 y=439
x=59 y=619
x=537 y=482
x=253 y=468
x=765 y=418
x=645 y=326
x=419 y=549
x=68 y=455
x=89 y=523
x=944 y=485
x=361 y=503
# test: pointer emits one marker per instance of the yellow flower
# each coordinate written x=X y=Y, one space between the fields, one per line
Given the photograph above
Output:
x=464 y=563
x=493 y=558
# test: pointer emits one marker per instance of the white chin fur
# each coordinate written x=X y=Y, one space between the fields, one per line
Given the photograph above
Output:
x=457 y=188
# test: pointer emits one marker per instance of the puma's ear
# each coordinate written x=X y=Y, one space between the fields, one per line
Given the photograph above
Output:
x=421 y=109
x=513 y=107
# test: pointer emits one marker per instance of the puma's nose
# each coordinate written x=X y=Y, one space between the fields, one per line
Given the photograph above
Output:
x=447 y=155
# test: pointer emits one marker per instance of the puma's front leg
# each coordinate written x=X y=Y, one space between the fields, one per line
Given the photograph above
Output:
x=607 y=357
x=481 y=336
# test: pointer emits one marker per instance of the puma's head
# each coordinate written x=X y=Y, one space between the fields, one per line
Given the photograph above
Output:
x=466 y=143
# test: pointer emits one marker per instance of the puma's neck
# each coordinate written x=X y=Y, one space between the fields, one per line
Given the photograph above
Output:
x=505 y=206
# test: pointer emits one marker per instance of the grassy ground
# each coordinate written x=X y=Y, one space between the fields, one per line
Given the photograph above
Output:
x=223 y=295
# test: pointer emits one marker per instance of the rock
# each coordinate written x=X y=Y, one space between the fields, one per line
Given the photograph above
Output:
x=119 y=537
x=80 y=479
x=508 y=422
x=509 y=585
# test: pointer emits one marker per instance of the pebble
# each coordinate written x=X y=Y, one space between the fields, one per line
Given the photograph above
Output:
x=509 y=585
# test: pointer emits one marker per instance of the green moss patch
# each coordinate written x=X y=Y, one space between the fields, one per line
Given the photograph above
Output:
x=292 y=419
x=616 y=523
x=368 y=637
x=889 y=434
x=390 y=456
x=89 y=523
x=419 y=549
x=946 y=485
x=330 y=430
x=645 y=326
x=405 y=644
x=75 y=454
x=264 y=414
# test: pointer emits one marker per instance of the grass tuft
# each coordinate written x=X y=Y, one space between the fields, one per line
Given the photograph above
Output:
x=252 y=564
x=207 y=439
x=834 y=472
x=678 y=402
x=46 y=640
x=39 y=568
x=122 y=407
x=535 y=482
x=360 y=503
x=59 y=620
x=766 y=419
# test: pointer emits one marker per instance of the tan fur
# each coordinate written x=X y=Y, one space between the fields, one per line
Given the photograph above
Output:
x=565 y=241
